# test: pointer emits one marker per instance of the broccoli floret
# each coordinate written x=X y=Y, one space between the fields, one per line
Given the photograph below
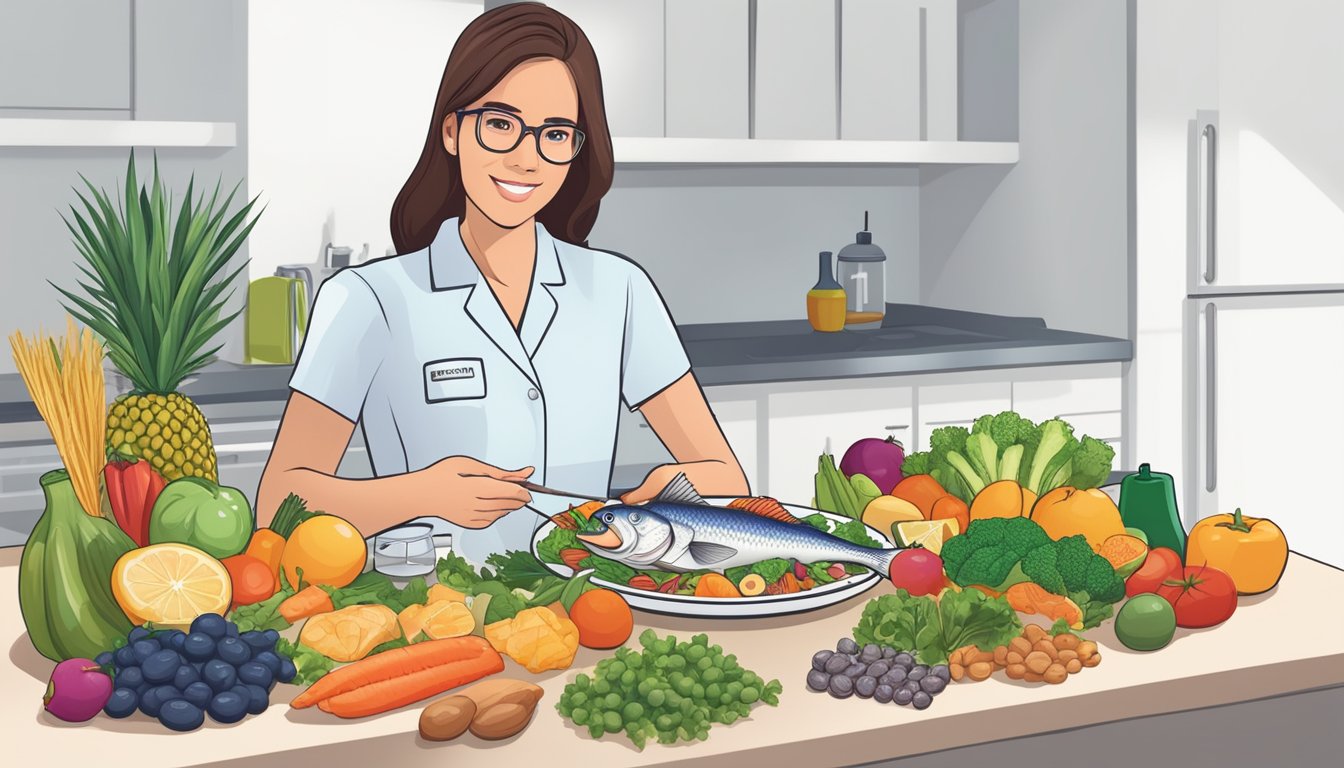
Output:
x=915 y=464
x=1008 y=429
x=1073 y=555
x=989 y=566
x=1091 y=463
x=1023 y=536
x=1101 y=581
x=947 y=439
x=1041 y=566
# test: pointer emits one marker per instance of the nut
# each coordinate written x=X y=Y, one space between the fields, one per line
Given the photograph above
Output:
x=488 y=693
x=981 y=670
x=1021 y=645
x=1001 y=656
x=954 y=657
x=1055 y=674
x=1034 y=632
x=1046 y=647
x=446 y=718
x=1066 y=642
x=1016 y=671
x=957 y=671
x=1073 y=666
x=1014 y=657
x=1092 y=660
x=1037 y=662
x=501 y=721
x=1067 y=655
x=1086 y=648
x=1032 y=677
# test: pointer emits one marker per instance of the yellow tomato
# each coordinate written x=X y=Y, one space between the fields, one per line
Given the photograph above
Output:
x=1252 y=550
x=328 y=549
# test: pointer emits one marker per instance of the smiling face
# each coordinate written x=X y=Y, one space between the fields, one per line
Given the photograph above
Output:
x=511 y=187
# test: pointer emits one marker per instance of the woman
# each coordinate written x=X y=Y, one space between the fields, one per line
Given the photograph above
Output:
x=496 y=348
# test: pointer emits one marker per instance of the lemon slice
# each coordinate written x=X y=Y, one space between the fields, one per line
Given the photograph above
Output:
x=170 y=585
x=929 y=534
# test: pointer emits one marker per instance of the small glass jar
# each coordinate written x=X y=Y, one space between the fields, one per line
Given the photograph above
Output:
x=862 y=272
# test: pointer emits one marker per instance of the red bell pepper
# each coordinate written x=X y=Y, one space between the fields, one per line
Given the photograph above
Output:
x=132 y=488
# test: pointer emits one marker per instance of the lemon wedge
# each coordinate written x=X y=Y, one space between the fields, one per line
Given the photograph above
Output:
x=929 y=534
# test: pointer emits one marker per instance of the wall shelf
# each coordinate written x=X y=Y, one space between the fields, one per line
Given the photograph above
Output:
x=686 y=152
x=40 y=132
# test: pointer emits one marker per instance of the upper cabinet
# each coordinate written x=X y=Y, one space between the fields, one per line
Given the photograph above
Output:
x=65 y=54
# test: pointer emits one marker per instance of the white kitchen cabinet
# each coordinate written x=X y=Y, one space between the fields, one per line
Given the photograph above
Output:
x=628 y=39
x=708 y=94
x=803 y=417
x=795 y=70
x=65 y=54
x=1089 y=398
x=1268 y=414
x=880 y=92
x=951 y=403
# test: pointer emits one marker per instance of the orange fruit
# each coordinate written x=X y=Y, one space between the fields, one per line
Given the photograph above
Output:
x=1031 y=598
x=951 y=508
x=328 y=549
x=920 y=490
x=1006 y=498
x=603 y=618
x=1067 y=511
x=170 y=585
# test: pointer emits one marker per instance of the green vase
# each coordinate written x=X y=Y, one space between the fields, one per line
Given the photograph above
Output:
x=65 y=577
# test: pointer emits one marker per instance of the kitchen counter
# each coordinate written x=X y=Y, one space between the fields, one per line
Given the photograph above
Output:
x=912 y=339
x=1287 y=641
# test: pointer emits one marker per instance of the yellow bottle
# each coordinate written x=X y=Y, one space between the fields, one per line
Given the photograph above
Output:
x=826 y=300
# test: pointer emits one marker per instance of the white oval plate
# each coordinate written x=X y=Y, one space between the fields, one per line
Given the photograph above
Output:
x=735 y=607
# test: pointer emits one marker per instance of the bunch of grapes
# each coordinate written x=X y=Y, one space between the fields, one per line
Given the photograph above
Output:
x=670 y=691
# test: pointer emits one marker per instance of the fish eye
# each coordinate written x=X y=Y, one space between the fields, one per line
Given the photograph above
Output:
x=608 y=518
x=634 y=517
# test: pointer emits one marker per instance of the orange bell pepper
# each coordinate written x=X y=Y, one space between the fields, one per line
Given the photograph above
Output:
x=1252 y=550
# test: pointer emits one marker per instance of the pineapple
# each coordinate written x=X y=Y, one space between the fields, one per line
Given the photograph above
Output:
x=155 y=298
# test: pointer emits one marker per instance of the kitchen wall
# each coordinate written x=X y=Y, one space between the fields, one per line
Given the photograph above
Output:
x=147 y=59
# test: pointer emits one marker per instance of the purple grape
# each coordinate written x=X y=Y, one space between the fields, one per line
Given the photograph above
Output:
x=818 y=680
x=820 y=658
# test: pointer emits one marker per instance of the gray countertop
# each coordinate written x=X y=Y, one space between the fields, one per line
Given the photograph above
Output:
x=912 y=339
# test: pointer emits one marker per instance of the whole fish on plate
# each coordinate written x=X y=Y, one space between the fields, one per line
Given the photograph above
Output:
x=679 y=531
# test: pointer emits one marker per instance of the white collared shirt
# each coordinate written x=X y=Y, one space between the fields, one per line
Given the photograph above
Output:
x=417 y=349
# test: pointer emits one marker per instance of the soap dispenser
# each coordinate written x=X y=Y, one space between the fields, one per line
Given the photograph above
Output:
x=862 y=271
x=826 y=300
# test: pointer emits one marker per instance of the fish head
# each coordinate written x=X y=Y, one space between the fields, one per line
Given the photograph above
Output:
x=628 y=533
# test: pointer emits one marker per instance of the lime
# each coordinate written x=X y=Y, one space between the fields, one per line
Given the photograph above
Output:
x=1146 y=622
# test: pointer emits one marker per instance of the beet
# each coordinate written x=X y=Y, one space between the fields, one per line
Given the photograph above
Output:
x=79 y=689
x=877 y=459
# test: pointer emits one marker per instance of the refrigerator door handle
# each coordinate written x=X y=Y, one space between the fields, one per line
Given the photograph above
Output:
x=1210 y=393
x=1210 y=133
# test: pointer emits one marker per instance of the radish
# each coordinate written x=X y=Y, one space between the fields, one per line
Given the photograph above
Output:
x=79 y=688
x=917 y=571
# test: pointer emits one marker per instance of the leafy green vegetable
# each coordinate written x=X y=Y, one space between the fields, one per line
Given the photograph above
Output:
x=548 y=549
x=309 y=664
x=519 y=569
x=504 y=604
x=771 y=570
x=263 y=615
x=855 y=532
x=932 y=629
x=819 y=522
x=1094 y=611
x=453 y=571
x=366 y=589
x=416 y=592
x=818 y=573
x=608 y=570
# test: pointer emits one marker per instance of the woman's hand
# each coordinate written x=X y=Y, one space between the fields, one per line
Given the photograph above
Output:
x=470 y=493
x=710 y=478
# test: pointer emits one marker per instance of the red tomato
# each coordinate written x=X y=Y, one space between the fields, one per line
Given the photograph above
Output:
x=1203 y=596
x=1161 y=564
x=918 y=571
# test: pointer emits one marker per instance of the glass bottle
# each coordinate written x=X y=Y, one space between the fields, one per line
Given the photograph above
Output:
x=862 y=270
x=826 y=300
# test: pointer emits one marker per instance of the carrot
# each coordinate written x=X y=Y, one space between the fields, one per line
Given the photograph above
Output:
x=267 y=546
x=396 y=692
x=473 y=654
x=308 y=601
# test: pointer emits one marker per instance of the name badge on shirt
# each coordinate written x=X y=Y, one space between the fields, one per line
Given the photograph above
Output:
x=457 y=378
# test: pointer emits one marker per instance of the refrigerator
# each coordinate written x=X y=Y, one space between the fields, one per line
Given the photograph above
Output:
x=1239 y=182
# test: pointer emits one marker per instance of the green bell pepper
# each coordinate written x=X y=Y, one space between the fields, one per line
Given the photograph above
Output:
x=194 y=511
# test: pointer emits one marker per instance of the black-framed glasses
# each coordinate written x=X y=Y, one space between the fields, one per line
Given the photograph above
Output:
x=500 y=131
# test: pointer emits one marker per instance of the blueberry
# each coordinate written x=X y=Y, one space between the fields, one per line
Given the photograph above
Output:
x=903 y=696
x=122 y=703
x=185 y=676
x=233 y=650
x=125 y=657
x=272 y=637
x=154 y=699
x=256 y=641
x=270 y=660
x=888 y=652
x=255 y=673
x=211 y=624
x=904 y=659
x=922 y=700
x=287 y=671
x=219 y=674
x=227 y=707
x=130 y=677
x=231 y=629
x=104 y=659
x=199 y=665
x=917 y=673
x=933 y=684
x=941 y=670
x=198 y=694
x=199 y=646
x=181 y=715
x=178 y=641
x=883 y=694
x=865 y=687
x=136 y=633
x=161 y=667
x=258 y=700
x=143 y=649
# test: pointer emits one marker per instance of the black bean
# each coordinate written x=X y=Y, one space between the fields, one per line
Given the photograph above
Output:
x=870 y=653
x=904 y=659
x=888 y=652
x=836 y=664
x=847 y=645
x=917 y=673
x=856 y=669
x=922 y=700
x=820 y=658
x=911 y=686
x=940 y=670
x=878 y=668
x=841 y=687
x=865 y=686
x=883 y=694
x=933 y=684
x=903 y=696
x=818 y=680
x=895 y=675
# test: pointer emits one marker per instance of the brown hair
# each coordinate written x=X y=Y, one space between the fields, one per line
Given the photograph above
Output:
x=487 y=50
